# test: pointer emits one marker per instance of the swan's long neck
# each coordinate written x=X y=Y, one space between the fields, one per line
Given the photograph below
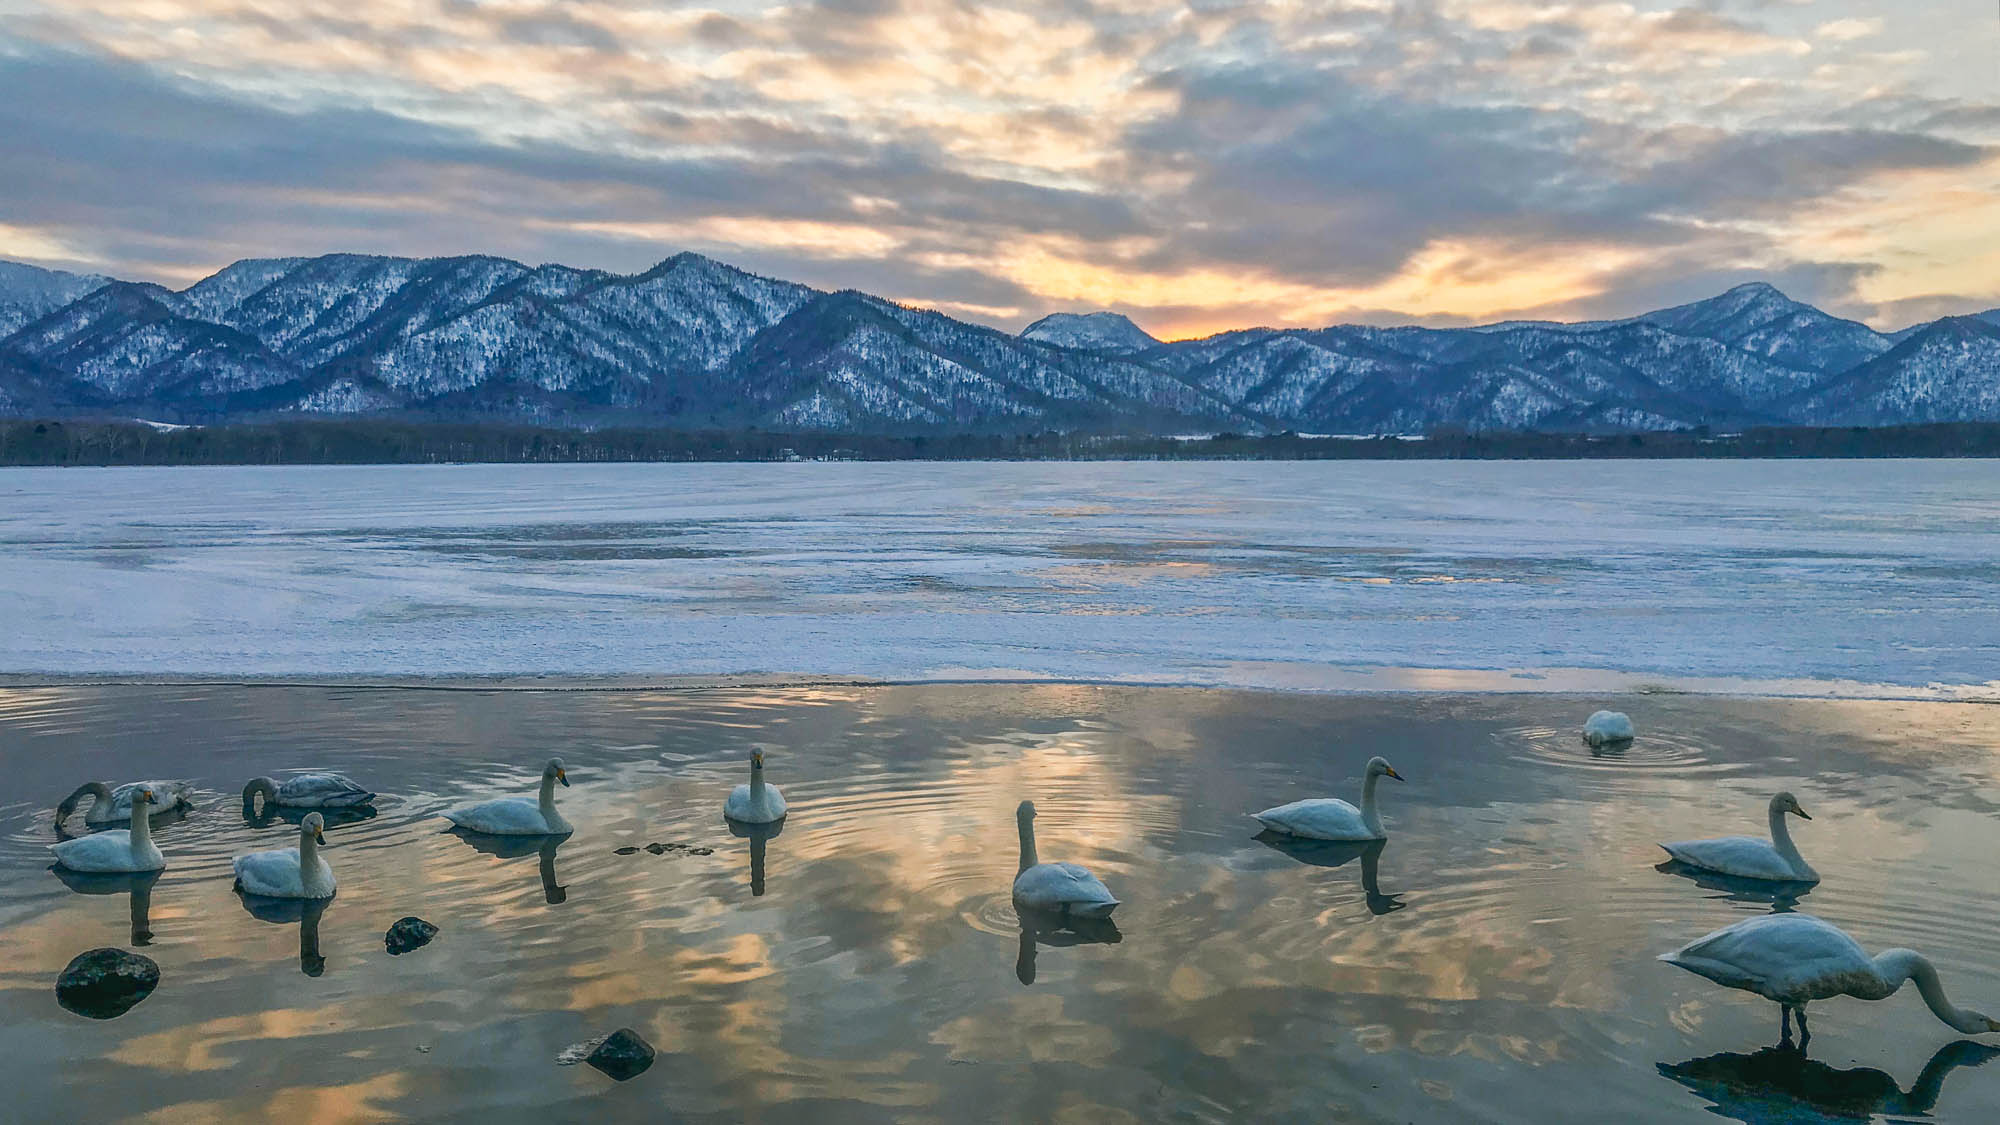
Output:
x=1781 y=839
x=1371 y=818
x=142 y=825
x=308 y=849
x=95 y=789
x=549 y=797
x=263 y=786
x=757 y=784
x=1028 y=843
x=1899 y=965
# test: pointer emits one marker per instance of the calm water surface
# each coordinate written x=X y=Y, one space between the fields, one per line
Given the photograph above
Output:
x=1494 y=962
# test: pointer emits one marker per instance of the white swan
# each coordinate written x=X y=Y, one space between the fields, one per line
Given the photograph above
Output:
x=289 y=872
x=518 y=816
x=1059 y=887
x=1607 y=726
x=756 y=802
x=307 y=791
x=115 y=805
x=1796 y=958
x=1748 y=857
x=1329 y=818
x=117 y=849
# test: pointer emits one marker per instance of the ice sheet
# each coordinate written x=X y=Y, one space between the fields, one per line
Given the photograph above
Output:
x=1289 y=575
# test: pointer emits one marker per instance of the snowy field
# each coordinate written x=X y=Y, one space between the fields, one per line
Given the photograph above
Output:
x=1828 y=577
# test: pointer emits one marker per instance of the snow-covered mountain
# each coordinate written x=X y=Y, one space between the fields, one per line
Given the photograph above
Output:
x=1091 y=332
x=696 y=343
x=28 y=292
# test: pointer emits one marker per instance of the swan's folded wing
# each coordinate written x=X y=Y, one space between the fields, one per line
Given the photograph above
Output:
x=1320 y=817
x=506 y=815
x=1747 y=856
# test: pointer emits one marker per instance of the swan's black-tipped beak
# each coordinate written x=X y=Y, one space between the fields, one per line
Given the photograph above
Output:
x=1803 y=814
x=319 y=837
x=1391 y=771
x=563 y=776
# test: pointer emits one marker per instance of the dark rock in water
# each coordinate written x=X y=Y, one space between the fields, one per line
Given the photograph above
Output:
x=656 y=849
x=407 y=934
x=105 y=983
x=701 y=851
x=626 y=850
x=623 y=1055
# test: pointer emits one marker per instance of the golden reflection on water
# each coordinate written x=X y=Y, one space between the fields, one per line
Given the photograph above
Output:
x=1501 y=940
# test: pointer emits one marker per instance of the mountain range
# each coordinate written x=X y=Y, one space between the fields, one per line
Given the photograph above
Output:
x=695 y=343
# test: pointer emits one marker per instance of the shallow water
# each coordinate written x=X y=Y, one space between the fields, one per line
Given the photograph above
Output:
x=1494 y=962
x=1275 y=575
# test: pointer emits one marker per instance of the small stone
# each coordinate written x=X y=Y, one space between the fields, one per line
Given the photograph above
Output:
x=105 y=983
x=408 y=933
x=626 y=850
x=622 y=1055
x=656 y=849
x=701 y=851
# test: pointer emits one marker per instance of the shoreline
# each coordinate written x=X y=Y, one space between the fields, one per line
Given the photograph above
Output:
x=1337 y=681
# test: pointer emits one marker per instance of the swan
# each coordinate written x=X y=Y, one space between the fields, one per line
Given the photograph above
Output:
x=755 y=802
x=518 y=816
x=1746 y=857
x=117 y=849
x=289 y=872
x=306 y=791
x=1796 y=958
x=113 y=806
x=1062 y=888
x=1329 y=818
x=1607 y=726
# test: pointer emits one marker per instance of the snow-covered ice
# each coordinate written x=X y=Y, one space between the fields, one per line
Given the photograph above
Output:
x=1290 y=575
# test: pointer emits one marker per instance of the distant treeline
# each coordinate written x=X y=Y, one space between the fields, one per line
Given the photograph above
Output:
x=372 y=441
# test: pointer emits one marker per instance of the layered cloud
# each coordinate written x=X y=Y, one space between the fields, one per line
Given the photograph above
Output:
x=1196 y=168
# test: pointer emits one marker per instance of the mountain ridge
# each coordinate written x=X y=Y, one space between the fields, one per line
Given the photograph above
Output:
x=694 y=342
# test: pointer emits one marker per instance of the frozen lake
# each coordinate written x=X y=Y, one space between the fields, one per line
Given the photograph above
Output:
x=1823 y=577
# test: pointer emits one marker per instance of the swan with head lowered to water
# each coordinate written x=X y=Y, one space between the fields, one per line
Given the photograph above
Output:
x=1747 y=857
x=114 y=806
x=117 y=849
x=1797 y=958
x=1059 y=888
x=317 y=790
x=517 y=816
x=1329 y=818
x=755 y=802
x=1607 y=728
x=289 y=872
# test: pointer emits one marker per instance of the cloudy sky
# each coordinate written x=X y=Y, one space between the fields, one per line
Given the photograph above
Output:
x=1196 y=167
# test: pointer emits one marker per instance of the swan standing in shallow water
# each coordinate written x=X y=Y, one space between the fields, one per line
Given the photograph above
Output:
x=518 y=816
x=1329 y=818
x=118 y=849
x=114 y=806
x=1607 y=727
x=289 y=872
x=1062 y=888
x=755 y=802
x=306 y=791
x=1796 y=958
x=1746 y=857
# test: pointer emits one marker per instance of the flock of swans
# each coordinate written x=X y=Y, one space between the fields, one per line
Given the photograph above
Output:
x=1790 y=958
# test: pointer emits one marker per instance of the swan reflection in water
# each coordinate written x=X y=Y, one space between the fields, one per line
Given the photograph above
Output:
x=1781 y=1084
x=139 y=886
x=514 y=847
x=284 y=911
x=1782 y=897
x=1337 y=853
x=758 y=835
x=1057 y=930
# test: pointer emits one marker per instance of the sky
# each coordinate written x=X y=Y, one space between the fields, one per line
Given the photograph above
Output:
x=1197 y=167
